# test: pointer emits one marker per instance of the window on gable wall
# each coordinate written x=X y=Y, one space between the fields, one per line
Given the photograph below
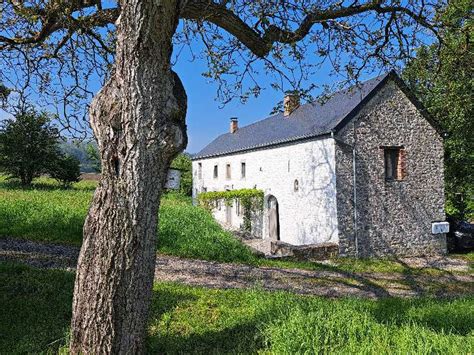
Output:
x=216 y=172
x=395 y=163
x=227 y=171
x=242 y=170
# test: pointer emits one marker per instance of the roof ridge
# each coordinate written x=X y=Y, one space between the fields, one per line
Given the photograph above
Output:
x=331 y=115
x=315 y=101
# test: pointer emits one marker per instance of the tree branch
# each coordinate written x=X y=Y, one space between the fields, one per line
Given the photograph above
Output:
x=53 y=21
x=261 y=45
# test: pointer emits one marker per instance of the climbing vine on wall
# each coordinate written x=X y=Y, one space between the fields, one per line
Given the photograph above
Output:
x=251 y=201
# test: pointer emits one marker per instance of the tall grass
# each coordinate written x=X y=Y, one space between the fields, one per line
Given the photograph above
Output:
x=36 y=310
x=190 y=231
x=45 y=212
x=383 y=327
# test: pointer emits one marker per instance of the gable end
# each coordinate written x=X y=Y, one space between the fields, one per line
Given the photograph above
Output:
x=408 y=93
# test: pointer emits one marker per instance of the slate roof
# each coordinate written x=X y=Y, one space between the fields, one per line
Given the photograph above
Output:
x=309 y=120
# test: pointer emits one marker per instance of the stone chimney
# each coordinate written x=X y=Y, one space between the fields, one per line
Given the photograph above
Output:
x=290 y=103
x=234 y=124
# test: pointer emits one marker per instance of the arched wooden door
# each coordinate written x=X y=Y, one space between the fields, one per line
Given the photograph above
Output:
x=273 y=219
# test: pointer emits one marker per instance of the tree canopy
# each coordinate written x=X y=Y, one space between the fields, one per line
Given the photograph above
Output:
x=51 y=51
x=28 y=146
x=442 y=78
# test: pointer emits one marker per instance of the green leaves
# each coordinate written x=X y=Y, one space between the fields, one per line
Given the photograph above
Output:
x=28 y=145
x=250 y=199
x=183 y=162
x=442 y=79
x=243 y=195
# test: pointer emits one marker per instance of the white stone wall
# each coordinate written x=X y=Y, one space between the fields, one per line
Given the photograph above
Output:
x=307 y=216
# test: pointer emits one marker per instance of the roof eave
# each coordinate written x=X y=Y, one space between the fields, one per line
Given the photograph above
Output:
x=265 y=146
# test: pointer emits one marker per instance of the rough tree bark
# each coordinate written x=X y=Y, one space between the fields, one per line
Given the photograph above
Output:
x=138 y=120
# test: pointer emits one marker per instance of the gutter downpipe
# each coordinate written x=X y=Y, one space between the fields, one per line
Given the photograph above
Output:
x=354 y=181
x=354 y=170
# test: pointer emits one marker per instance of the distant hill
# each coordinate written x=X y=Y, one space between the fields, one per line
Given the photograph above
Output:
x=78 y=149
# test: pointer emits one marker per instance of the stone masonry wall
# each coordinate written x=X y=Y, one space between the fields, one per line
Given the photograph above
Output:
x=394 y=217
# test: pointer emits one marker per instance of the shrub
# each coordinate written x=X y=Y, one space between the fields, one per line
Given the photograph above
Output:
x=66 y=170
x=28 y=145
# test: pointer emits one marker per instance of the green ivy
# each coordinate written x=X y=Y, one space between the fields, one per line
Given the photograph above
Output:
x=251 y=201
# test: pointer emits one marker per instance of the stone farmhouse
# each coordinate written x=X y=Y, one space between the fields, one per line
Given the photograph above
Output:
x=362 y=171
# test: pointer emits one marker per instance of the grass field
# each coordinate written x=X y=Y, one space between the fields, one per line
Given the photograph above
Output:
x=36 y=310
x=48 y=213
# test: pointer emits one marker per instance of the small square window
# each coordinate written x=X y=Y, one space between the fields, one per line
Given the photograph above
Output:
x=395 y=163
x=216 y=172
x=227 y=171
x=242 y=170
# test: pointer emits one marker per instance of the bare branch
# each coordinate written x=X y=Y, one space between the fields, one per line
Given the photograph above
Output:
x=261 y=45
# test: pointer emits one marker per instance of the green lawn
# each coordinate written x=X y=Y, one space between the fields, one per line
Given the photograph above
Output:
x=48 y=213
x=36 y=310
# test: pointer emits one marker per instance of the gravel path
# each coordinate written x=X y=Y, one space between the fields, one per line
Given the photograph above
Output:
x=334 y=283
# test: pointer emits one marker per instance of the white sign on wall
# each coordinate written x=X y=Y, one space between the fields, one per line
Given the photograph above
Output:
x=173 y=180
x=439 y=227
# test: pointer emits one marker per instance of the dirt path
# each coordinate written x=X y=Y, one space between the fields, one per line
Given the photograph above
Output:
x=334 y=283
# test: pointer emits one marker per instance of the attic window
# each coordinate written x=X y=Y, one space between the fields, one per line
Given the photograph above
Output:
x=216 y=172
x=395 y=163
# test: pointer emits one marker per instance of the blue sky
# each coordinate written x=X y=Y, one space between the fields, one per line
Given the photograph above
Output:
x=206 y=118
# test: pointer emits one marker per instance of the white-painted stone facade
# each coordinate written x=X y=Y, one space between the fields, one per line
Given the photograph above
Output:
x=307 y=213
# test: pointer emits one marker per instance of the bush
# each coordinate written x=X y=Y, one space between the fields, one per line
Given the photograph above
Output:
x=28 y=145
x=66 y=170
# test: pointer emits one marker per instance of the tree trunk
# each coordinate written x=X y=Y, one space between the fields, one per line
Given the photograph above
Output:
x=138 y=120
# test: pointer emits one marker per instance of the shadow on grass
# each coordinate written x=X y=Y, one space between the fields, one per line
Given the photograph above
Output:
x=51 y=226
x=189 y=320
x=240 y=339
x=36 y=308
x=36 y=311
